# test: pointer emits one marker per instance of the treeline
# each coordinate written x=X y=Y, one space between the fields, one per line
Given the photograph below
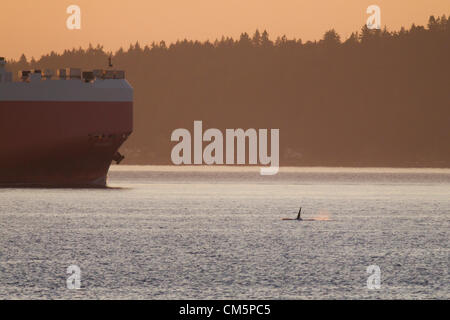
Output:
x=378 y=98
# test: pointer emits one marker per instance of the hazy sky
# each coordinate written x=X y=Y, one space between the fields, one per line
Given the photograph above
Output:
x=35 y=27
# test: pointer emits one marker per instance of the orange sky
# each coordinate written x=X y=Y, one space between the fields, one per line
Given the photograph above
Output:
x=35 y=27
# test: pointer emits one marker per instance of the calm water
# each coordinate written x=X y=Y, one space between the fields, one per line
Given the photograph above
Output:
x=165 y=233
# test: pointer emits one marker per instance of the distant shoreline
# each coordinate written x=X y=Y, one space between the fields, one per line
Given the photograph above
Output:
x=247 y=168
x=429 y=165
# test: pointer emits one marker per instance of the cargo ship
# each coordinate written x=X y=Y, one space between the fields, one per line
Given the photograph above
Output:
x=63 y=128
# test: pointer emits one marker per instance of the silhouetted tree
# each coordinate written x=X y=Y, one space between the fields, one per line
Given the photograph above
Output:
x=256 y=40
x=331 y=38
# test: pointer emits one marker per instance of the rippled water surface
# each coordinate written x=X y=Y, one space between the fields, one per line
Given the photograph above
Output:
x=198 y=233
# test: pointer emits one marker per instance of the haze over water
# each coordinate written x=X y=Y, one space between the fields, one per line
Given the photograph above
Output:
x=172 y=233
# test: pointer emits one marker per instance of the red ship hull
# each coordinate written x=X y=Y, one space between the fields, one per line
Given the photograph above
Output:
x=61 y=143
